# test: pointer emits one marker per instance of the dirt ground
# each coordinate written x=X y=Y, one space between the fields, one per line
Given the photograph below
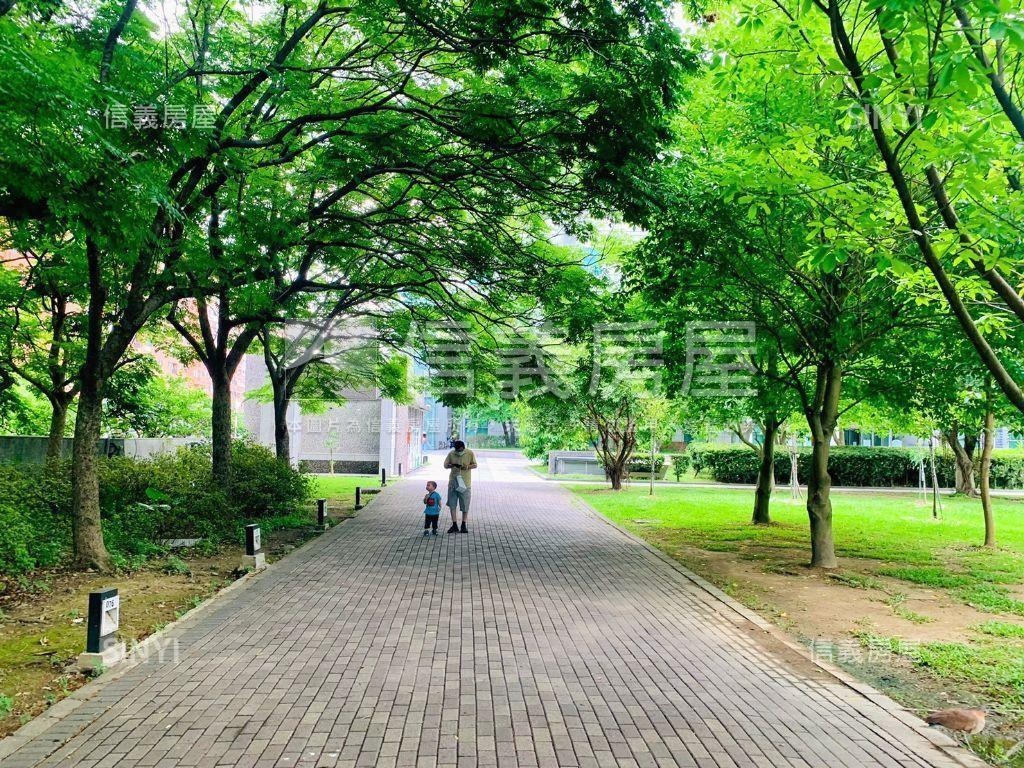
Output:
x=43 y=617
x=791 y=595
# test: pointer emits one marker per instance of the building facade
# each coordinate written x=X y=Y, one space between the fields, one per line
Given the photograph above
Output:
x=365 y=433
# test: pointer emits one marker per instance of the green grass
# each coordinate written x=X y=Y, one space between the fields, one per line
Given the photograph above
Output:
x=929 y=576
x=343 y=487
x=990 y=598
x=897 y=601
x=1001 y=629
x=856 y=580
x=895 y=529
x=995 y=667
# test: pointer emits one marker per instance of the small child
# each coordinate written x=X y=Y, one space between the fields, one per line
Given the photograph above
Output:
x=431 y=508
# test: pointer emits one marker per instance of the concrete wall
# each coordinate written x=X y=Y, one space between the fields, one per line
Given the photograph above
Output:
x=28 y=449
x=574 y=463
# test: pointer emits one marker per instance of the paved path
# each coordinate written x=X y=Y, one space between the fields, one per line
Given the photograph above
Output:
x=545 y=637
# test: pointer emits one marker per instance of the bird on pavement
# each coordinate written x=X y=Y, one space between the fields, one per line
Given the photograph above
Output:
x=964 y=720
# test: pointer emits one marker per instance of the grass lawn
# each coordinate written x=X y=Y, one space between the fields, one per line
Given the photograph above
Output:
x=340 y=490
x=949 y=612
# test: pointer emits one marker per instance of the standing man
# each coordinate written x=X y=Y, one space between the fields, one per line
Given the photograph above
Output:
x=461 y=461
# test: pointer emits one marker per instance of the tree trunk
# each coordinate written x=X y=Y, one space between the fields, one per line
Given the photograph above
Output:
x=765 y=475
x=963 y=455
x=90 y=551
x=55 y=439
x=282 y=437
x=935 y=476
x=819 y=507
x=794 y=470
x=986 y=473
x=505 y=433
x=221 y=424
x=615 y=475
x=822 y=417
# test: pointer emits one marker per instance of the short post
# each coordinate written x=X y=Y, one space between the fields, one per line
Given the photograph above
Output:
x=359 y=497
x=102 y=649
x=321 y=513
x=399 y=469
x=383 y=477
x=254 y=558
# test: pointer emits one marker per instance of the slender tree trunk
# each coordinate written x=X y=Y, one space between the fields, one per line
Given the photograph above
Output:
x=765 y=475
x=651 y=477
x=794 y=470
x=282 y=437
x=58 y=423
x=616 y=441
x=986 y=474
x=822 y=418
x=86 y=524
x=819 y=506
x=847 y=52
x=90 y=551
x=221 y=424
x=935 y=476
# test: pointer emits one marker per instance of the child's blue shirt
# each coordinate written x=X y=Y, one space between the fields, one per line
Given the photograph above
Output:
x=436 y=509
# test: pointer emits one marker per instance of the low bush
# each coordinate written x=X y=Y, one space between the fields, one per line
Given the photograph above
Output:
x=680 y=461
x=35 y=518
x=171 y=495
x=851 y=466
x=643 y=464
x=262 y=486
x=486 y=441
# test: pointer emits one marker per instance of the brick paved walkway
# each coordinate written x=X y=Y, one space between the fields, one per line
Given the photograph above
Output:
x=543 y=638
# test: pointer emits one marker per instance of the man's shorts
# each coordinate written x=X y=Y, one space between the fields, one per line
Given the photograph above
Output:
x=456 y=499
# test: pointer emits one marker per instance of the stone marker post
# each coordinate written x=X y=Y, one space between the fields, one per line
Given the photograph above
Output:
x=102 y=648
x=254 y=558
x=321 y=513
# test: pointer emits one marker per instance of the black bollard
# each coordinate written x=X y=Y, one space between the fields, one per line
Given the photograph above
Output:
x=254 y=559
x=321 y=513
x=253 y=542
x=383 y=477
x=102 y=649
x=359 y=498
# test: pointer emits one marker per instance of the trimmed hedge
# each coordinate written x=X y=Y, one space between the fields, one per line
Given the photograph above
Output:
x=643 y=464
x=851 y=466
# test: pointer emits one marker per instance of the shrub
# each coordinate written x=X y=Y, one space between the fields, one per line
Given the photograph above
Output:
x=35 y=522
x=679 y=463
x=850 y=466
x=183 y=483
x=486 y=441
x=263 y=486
x=143 y=501
x=643 y=464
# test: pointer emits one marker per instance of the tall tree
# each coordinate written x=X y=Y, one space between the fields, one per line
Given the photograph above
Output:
x=735 y=238
x=549 y=108
x=936 y=85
